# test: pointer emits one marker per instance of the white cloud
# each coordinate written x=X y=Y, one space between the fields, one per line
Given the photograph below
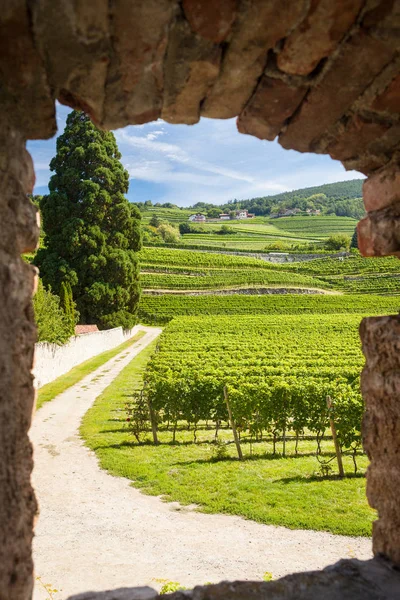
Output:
x=155 y=134
x=176 y=154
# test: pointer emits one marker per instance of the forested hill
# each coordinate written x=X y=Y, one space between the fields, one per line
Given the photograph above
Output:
x=342 y=198
x=340 y=189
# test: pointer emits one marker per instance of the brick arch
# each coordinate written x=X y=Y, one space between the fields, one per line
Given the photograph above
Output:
x=320 y=75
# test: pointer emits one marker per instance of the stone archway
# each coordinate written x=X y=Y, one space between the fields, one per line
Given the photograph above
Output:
x=323 y=76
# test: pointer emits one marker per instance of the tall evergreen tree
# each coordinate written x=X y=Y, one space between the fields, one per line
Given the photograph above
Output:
x=354 y=239
x=68 y=305
x=92 y=231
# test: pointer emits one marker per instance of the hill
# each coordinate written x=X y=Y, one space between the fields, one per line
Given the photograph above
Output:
x=340 y=189
x=343 y=199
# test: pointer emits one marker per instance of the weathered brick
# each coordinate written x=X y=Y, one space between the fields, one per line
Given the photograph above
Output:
x=382 y=189
x=318 y=35
x=73 y=40
x=381 y=151
x=212 y=20
x=257 y=28
x=383 y=21
x=187 y=81
x=379 y=232
x=380 y=384
x=25 y=95
x=389 y=99
x=135 y=80
x=366 y=164
x=273 y=102
x=355 y=137
x=360 y=60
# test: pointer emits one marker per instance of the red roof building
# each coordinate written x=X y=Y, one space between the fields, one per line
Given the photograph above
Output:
x=81 y=329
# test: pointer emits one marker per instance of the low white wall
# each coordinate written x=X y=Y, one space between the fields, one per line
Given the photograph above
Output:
x=51 y=360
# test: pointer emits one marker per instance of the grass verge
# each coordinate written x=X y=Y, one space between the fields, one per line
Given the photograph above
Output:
x=265 y=488
x=59 y=385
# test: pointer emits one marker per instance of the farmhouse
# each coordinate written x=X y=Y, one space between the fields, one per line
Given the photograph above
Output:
x=224 y=216
x=243 y=214
x=198 y=218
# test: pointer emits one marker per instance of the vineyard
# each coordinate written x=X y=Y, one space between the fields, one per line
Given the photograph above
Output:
x=215 y=279
x=167 y=269
x=353 y=265
x=277 y=371
x=172 y=215
x=316 y=227
x=163 y=308
x=168 y=258
x=258 y=361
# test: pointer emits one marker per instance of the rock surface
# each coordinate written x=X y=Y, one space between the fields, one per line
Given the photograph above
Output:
x=346 y=580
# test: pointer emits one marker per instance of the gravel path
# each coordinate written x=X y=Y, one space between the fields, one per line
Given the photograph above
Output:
x=97 y=532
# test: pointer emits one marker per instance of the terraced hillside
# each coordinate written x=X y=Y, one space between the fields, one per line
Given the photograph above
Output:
x=260 y=233
x=315 y=227
x=172 y=215
x=186 y=270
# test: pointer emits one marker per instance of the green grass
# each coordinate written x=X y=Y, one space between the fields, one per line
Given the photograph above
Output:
x=267 y=489
x=54 y=388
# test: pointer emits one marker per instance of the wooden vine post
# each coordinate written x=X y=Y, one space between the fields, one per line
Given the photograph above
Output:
x=152 y=417
x=334 y=436
x=233 y=426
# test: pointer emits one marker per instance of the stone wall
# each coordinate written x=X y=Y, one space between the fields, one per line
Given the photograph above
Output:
x=320 y=75
x=19 y=233
x=380 y=384
x=375 y=579
x=52 y=360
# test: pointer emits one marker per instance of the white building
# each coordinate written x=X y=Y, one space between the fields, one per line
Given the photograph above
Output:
x=243 y=214
x=198 y=218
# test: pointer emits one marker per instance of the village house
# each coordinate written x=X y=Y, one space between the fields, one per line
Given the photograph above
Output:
x=198 y=218
x=243 y=214
x=224 y=216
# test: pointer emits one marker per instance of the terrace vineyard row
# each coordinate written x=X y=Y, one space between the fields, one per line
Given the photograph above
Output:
x=278 y=371
x=163 y=308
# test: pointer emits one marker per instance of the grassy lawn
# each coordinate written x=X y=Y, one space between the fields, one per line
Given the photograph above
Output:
x=59 y=385
x=266 y=488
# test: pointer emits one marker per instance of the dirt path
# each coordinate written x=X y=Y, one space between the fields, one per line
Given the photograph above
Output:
x=96 y=532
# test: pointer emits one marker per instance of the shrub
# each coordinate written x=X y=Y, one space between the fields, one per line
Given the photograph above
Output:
x=52 y=324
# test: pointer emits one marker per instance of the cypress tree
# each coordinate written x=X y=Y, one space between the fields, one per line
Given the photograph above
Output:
x=68 y=305
x=354 y=240
x=92 y=231
x=49 y=316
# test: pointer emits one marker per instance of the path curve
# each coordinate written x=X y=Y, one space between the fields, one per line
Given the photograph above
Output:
x=96 y=532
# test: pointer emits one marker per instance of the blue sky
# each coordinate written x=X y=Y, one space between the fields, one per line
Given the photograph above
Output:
x=209 y=162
